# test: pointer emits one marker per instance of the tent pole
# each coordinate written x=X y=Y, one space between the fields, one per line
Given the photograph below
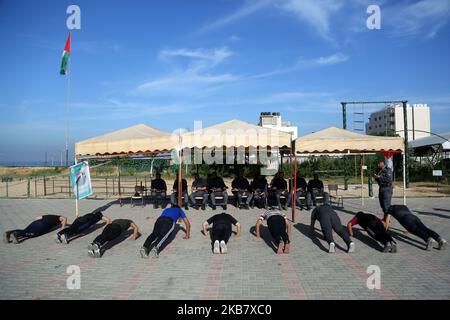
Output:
x=180 y=164
x=362 y=180
x=294 y=194
x=404 y=178
x=119 y=184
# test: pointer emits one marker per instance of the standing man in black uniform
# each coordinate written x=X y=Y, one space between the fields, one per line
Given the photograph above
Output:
x=384 y=180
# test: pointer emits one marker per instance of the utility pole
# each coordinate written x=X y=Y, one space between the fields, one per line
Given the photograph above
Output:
x=344 y=126
x=405 y=132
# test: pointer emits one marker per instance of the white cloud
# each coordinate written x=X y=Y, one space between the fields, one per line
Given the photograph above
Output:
x=247 y=9
x=316 y=13
x=196 y=77
x=421 y=18
x=329 y=60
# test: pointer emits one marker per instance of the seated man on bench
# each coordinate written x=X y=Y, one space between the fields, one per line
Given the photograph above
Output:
x=302 y=196
x=199 y=189
x=317 y=191
x=184 y=194
x=259 y=186
x=159 y=190
x=240 y=188
x=279 y=188
x=217 y=188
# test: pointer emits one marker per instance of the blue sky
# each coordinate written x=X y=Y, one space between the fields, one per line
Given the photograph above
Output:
x=169 y=63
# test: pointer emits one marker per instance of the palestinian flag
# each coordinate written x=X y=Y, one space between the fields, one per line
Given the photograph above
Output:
x=65 y=57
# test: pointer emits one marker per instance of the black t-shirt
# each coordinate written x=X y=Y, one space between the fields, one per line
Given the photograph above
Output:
x=259 y=183
x=301 y=183
x=321 y=212
x=184 y=186
x=51 y=220
x=240 y=183
x=399 y=211
x=279 y=183
x=123 y=223
x=222 y=218
x=159 y=184
x=216 y=183
x=315 y=184
x=366 y=219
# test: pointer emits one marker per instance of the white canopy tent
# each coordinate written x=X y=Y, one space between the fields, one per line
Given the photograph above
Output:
x=138 y=139
x=335 y=140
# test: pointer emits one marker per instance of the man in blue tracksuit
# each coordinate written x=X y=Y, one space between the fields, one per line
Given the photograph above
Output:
x=164 y=226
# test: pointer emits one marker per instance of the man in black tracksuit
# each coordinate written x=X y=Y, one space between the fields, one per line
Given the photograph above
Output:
x=413 y=224
x=111 y=232
x=221 y=230
x=330 y=221
x=79 y=225
x=384 y=180
x=375 y=228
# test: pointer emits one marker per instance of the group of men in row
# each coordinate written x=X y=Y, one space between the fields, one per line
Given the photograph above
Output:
x=277 y=223
x=246 y=194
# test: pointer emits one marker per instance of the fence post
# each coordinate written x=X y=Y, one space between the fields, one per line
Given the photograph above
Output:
x=106 y=183
x=53 y=185
x=35 y=187
x=45 y=187
x=28 y=188
x=114 y=186
x=68 y=186
x=7 y=193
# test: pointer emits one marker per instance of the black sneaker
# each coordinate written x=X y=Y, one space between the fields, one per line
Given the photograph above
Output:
x=203 y=207
x=213 y=207
x=6 y=237
x=155 y=206
x=186 y=207
x=387 y=248
x=224 y=207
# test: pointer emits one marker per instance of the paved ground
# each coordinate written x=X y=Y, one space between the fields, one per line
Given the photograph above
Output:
x=186 y=269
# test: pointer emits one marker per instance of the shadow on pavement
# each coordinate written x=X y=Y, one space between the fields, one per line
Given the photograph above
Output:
x=304 y=229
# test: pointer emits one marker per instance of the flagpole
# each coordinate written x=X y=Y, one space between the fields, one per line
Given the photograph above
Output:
x=68 y=107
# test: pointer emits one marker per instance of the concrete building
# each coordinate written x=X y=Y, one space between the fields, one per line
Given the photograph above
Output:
x=390 y=119
x=273 y=120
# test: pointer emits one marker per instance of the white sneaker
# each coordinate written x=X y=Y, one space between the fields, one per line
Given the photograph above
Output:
x=442 y=244
x=216 y=247
x=58 y=238
x=64 y=239
x=223 y=247
x=430 y=244
x=351 y=247
x=154 y=252
x=332 y=248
